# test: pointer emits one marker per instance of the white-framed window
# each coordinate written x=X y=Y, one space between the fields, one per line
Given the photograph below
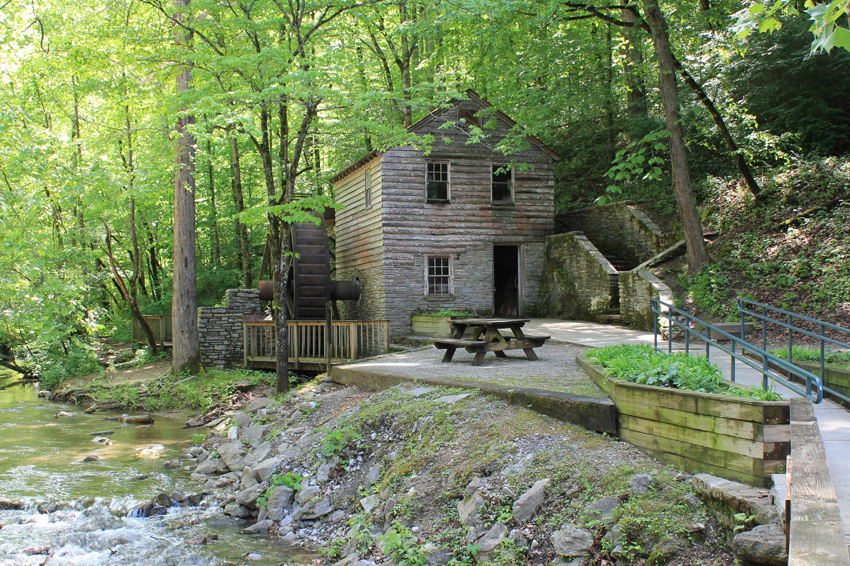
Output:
x=367 y=187
x=437 y=181
x=501 y=184
x=439 y=275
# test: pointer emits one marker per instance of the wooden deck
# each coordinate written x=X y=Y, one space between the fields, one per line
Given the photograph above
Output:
x=350 y=340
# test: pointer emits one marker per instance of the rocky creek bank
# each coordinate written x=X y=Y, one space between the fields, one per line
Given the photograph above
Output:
x=416 y=475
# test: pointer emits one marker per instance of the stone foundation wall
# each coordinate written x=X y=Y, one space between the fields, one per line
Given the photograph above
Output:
x=637 y=289
x=220 y=328
x=577 y=279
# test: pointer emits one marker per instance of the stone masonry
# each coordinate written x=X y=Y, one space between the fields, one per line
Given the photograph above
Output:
x=220 y=329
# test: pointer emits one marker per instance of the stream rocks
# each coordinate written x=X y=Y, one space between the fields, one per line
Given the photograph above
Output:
x=373 y=475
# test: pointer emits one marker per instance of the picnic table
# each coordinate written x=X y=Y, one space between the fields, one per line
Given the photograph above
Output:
x=485 y=335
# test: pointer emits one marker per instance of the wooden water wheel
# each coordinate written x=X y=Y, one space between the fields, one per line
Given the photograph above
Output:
x=310 y=286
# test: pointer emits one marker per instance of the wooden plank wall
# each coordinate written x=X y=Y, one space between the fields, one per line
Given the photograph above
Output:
x=360 y=242
x=816 y=535
x=739 y=439
x=468 y=226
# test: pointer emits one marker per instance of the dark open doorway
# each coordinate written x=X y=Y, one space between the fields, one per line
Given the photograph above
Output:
x=506 y=280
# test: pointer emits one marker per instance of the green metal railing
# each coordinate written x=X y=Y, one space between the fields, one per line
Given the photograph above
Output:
x=772 y=368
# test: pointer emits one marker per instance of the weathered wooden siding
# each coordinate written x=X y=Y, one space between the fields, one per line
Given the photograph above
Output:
x=360 y=242
x=468 y=227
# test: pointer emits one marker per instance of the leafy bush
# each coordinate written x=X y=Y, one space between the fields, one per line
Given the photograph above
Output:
x=55 y=367
x=448 y=312
x=336 y=440
x=643 y=364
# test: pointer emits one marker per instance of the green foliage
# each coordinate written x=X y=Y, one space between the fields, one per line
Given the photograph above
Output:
x=336 y=441
x=806 y=354
x=77 y=359
x=400 y=543
x=199 y=438
x=640 y=363
x=290 y=480
x=448 y=312
x=640 y=162
x=710 y=291
x=361 y=533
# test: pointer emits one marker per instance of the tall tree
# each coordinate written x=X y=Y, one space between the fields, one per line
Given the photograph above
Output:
x=186 y=354
x=697 y=256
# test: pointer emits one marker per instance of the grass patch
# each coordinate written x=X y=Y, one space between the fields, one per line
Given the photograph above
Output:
x=170 y=392
x=643 y=364
x=803 y=354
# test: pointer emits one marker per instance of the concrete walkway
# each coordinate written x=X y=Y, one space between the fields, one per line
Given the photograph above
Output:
x=833 y=419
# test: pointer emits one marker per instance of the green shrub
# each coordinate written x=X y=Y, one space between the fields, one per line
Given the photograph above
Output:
x=804 y=354
x=643 y=364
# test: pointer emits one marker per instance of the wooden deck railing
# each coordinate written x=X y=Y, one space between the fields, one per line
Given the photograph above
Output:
x=160 y=325
x=350 y=339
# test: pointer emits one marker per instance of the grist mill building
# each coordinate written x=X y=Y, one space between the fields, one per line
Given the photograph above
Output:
x=461 y=227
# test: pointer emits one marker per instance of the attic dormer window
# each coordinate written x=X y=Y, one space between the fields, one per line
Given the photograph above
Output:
x=437 y=188
x=468 y=116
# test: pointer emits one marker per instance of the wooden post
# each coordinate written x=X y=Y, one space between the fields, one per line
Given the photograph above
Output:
x=296 y=343
x=244 y=344
x=328 y=339
x=353 y=342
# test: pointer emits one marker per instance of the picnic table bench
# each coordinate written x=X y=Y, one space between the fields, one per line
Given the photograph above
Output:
x=486 y=337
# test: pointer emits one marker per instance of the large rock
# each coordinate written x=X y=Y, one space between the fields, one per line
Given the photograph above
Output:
x=209 y=467
x=469 y=507
x=236 y=510
x=602 y=510
x=266 y=468
x=307 y=493
x=530 y=501
x=260 y=403
x=136 y=419
x=570 y=541
x=233 y=455
x=318 y=509
x=487 y=544
x=641 y=483
x=729 y=498
x=280 y=501
x=764 y=544
x=248 y=497
x=255 y=434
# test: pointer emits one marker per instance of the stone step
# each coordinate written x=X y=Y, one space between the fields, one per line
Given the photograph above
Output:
x=610 y=318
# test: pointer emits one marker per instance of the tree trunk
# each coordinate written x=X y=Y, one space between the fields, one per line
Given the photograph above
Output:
x=697 y=256
x=239 y=202
x=213 y=211
x=186 y=355
x=633 y=69
x=740 y=161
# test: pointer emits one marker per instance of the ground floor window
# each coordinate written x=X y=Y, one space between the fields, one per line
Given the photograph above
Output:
x=438 y=275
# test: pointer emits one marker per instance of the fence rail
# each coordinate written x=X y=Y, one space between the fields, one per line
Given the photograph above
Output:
x=771 y=367
x=793 y=323
x=160 y=325
x=350 y=340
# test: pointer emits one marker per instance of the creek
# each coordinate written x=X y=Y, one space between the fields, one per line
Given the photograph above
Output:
x=56 y=509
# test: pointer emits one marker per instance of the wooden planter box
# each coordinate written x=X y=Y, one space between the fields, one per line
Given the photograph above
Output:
x=429 y=325
x=739 y=439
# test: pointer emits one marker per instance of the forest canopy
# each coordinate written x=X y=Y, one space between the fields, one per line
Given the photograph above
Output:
x=282 y=95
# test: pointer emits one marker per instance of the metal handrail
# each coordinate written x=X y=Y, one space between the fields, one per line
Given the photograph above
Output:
x=690 y=324
x=744 y=311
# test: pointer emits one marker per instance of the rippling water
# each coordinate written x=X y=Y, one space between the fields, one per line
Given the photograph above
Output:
x=56 y=509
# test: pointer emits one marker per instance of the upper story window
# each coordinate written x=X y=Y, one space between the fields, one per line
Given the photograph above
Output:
x=468 y=116
x=501 y=184
x=438 y=275
x=367 y=188
x=437 y=183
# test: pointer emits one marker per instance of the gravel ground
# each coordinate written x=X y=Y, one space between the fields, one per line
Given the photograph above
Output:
x=556 y=370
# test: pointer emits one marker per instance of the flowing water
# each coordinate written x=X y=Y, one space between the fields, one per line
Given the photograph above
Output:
x=56 y=509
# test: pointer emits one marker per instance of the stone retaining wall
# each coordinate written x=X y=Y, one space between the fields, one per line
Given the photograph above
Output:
x=637 y=289
x=220 y=330
x=576 y=279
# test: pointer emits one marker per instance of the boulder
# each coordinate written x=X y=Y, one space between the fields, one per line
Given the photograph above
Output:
x=602 y=510
x=171 y=464
x=264 y=469
x=208 y=467
x=764 y=544
x=255 y=434
x=260 y=403
x=320 y=508
x=260 y=527
x=641 y=483
x=530 y=501
x=487 y=544
x=136 y=419
x=248 y=497
x=370 y=502
x=305 y=494
x=280 y=500
x=233 y=455
x=570 y=541
x=469 y=507
x=236 y=510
